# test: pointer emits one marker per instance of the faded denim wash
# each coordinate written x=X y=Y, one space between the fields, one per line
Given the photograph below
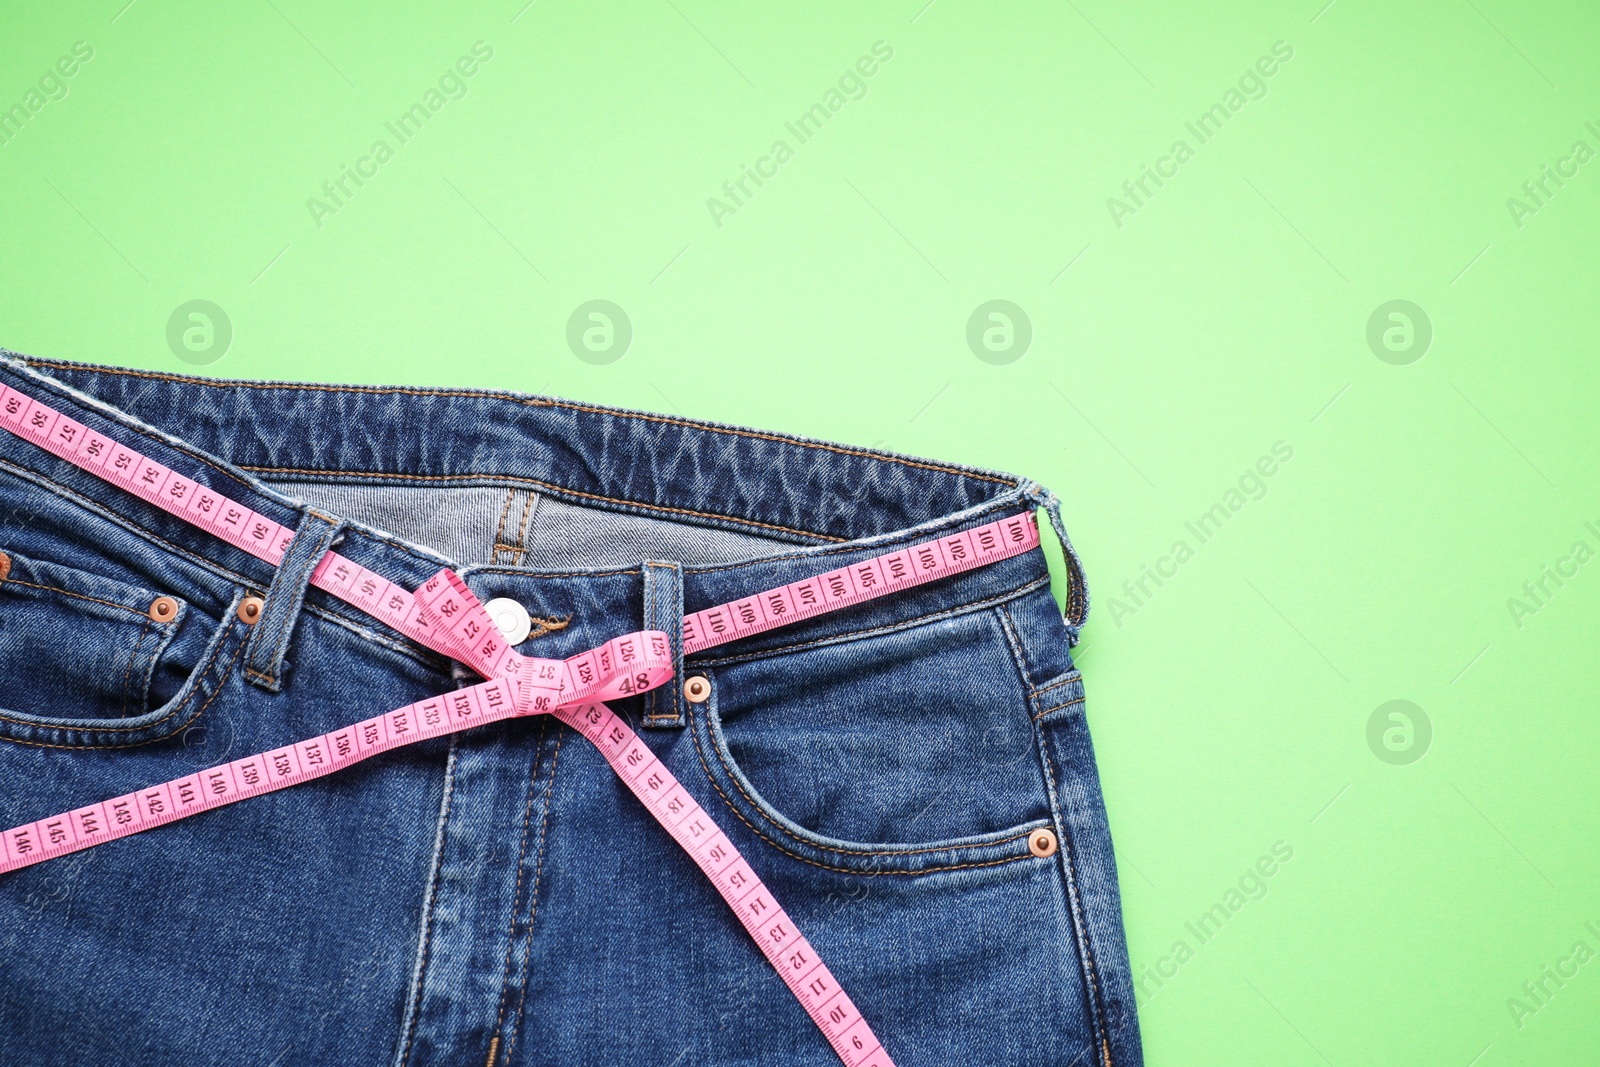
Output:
x=498 y=898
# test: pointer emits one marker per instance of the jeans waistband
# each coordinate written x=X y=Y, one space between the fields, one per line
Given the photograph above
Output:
x=822 y=504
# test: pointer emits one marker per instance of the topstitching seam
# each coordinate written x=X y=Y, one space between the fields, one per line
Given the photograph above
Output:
x=529 y=502
x=710 y=778
x=127 y=672
x=1069 y=677
x=875 y=631
x=425 y=949
x=78 y=596
x=528 y=402
x=500 y=531
x=148 y=741
x=551 y=487
x=522 y=854
x=409 y=647
x=533 y=896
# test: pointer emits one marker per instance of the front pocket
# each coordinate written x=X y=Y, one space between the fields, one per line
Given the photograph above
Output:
x=87 y=660
x=911 y=750
x=74 y=645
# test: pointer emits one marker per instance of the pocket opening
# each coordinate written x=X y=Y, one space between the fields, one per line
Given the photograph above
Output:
x=897 y=753
x=90 y=661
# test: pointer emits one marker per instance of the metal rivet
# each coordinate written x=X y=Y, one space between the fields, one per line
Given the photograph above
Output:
x=697 y=689
x=511 y=618
x=5 y=566
x=1042 y=843
x=163 y=609
x=250 y=609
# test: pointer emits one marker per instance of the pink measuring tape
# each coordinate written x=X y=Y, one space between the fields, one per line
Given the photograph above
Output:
x=446 y=616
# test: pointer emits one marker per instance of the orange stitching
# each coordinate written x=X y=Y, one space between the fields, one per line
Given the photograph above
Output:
x=485 y=394
x=550 y=486
x=1079 y=920
x=351 y=622
x=533 y=895
x=663 y=696
x=944 y=522
x=853 y=851
x=844 y=542
x=519 y=572
x=1020 y=655
x=265 y=492
x=433 y=896
x=824 y=848
x=782 y=440
x=410 y=550
x=528 y=507
x=1070 y=676
x=516 y=893
x=499 y=533
x=1019 y=659
x=227 y=383
x=135 y=744
x=1058 y=707
x=90 y=504
x=875 y=631
x=128 y=671
x=157 y=437
x=79 y=596
x=845 y=545
x=408 y=645
x=215 y=652
x=828 y=867
x=547 y=624
x=810 y=553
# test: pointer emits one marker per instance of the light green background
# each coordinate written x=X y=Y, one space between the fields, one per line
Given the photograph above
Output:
x=1227 y=313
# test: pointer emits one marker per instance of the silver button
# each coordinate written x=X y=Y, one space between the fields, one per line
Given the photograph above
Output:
x=512 y=619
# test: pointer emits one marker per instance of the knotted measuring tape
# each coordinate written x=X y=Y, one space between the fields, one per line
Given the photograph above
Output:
x=446 y=616
x=463 y=623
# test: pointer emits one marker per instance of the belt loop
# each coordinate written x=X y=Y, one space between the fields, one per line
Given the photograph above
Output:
x=1077 y=612
x=663 y=610
x=269 y=639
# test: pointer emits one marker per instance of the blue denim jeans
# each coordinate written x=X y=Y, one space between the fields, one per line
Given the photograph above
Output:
x=498 y=897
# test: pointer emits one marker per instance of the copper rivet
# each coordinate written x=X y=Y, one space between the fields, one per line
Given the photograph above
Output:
x=5 y=566
x=163 y=609
x=1042 y=843
x=250 y=609
x=697 y=689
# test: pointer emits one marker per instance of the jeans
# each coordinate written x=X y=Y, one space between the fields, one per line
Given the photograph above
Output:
x=497 y=897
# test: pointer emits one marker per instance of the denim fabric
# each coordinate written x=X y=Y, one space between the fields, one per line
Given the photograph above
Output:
x=498 y=898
